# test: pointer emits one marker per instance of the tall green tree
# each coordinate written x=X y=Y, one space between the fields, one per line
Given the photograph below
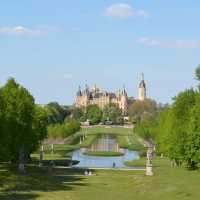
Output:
x=174 y=126
x=140 y=110
x=197 y=73
x=39 y=127
x=18 y=110
x=94 y=114
x=78 y=114
x=192 y=145
x=64 y=130
x=56 y=113
x=113 y=113
x=23 y=124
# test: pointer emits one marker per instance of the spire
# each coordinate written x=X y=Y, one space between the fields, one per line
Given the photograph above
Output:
x=124 y=91
x=79 y=93
x=142 y=76
x=142 y=89
x=142 y=82
x=86 y=89
x=94 y=88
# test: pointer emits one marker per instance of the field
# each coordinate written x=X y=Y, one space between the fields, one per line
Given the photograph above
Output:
x=64 y=184
x=71 y=184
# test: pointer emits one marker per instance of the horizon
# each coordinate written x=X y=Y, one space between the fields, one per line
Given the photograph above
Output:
x=53 y=47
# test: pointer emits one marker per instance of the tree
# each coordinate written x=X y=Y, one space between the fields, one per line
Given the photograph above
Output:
x=78 y=114
x=18 y=109
x=64 y=130
x=174 y=126
x=24 y=124
x=94 y=114
x=113 y=113
x=197 y=73
x=141 y=109
x=56 y=113
x=4 y=138
x=192 y=146
x=39 y=127
x=147 y=129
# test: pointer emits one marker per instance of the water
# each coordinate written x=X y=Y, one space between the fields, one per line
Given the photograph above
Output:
x=86 y=161
x=104 y=143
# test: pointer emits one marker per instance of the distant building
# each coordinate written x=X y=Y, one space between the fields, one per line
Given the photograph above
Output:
x=95 y=96
x=142 y=89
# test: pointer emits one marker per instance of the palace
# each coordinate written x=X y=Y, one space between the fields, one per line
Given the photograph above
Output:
x=103 y=98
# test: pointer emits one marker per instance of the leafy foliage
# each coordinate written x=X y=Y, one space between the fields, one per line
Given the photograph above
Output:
x=22 y=127
x=94 y=114
x=141 y=110
x=113 y=113
x=56 y=113
x=64 y=130
x=177 y=128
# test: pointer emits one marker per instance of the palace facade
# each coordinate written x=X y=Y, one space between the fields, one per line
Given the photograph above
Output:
x=95 y=96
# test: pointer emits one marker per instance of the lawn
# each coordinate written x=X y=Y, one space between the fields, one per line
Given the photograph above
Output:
x=64 y=184
x=108 y=130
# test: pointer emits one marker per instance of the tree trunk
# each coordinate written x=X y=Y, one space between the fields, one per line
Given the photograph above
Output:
x=21 y=165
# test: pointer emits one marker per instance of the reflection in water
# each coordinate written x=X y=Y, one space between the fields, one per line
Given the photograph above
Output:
x=105 y=143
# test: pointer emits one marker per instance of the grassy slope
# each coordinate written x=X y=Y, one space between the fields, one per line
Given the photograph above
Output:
x=167 y=184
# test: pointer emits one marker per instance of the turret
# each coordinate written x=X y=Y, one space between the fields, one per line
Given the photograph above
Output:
x=142 y=89
x=79 y=93
x=86 y=92
x=124 y=101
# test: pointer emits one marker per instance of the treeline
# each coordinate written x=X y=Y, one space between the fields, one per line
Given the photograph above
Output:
x=57 y=113
x=96 y=115
x=63 y=130
x=176 y=130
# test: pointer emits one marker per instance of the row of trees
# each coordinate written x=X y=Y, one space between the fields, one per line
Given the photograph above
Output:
x=57 y=113
x=93 y=113
x=63 y=130
x=176 y=130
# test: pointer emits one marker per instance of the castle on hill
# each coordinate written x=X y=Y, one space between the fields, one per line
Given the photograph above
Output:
x=95 y=96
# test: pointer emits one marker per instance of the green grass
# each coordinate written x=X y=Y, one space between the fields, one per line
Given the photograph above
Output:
x=61 y=155
x=64 y=184
x=108 y=130
x=103 y=153
x=136 y=163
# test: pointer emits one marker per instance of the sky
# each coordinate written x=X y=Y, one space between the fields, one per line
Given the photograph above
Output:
x=53 y=46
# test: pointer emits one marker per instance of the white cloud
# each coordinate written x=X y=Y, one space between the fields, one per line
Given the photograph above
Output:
x=123 y=11
x=20 y=31
x=175 y=44
x=120 y=10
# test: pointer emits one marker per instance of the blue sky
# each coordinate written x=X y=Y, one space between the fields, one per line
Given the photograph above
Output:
x=52 y=47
